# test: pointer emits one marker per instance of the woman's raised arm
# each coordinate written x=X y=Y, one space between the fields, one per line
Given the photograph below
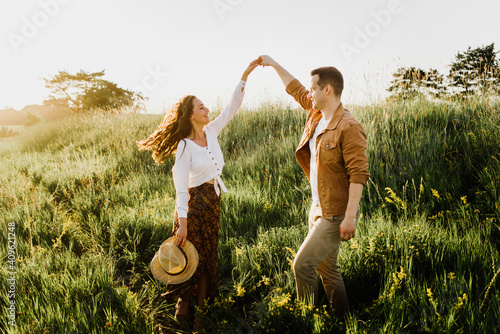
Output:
x=236 y=99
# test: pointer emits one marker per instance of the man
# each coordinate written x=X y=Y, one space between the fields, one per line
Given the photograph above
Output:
x=332 y=153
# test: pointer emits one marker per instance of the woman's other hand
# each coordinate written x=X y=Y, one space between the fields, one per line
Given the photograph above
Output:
x=182 y=232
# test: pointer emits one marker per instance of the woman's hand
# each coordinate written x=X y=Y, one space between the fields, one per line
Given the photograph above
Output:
x=250 y=68
x=182 y=232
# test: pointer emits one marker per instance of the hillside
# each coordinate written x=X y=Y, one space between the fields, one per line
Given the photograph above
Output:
x=12 y=117
x=89 y=211
x=45 y=112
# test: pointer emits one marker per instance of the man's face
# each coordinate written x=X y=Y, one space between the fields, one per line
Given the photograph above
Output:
x=200 y=113
x=316 y=94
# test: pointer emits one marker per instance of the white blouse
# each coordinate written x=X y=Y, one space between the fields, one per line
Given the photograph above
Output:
x=195 y=165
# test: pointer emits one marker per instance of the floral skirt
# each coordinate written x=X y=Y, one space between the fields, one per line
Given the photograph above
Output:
x=203 y=222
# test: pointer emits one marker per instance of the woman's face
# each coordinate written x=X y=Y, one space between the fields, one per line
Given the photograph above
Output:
x=200 y=113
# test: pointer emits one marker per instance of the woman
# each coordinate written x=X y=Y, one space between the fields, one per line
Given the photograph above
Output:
x=188 y=131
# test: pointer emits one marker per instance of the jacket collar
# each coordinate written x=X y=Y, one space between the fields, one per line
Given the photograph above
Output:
x=334 y=121
x=337 y=116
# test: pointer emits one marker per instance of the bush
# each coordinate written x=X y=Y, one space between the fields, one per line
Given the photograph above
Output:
x=6 y=132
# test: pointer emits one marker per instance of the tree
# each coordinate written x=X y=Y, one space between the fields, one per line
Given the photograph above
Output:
x=107 y=95
x=84 y=91
x=411 y=82
x=475 y=70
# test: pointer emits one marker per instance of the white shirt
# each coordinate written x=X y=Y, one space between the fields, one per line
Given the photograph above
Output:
x=313 y=176
x=194 y=164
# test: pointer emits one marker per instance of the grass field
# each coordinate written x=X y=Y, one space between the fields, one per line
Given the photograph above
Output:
x=88 y=211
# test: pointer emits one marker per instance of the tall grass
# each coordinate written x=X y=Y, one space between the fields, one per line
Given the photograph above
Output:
x=90 y=211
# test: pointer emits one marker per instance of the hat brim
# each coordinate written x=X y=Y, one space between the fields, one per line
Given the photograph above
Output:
x=192 y=264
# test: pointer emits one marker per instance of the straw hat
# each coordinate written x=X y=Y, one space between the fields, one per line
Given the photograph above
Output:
x=173 y=264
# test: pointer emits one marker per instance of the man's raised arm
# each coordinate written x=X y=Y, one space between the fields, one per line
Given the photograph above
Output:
x=295 y=89
x=284 y=75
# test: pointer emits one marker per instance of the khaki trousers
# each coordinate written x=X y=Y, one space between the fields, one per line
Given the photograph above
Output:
x=318 y=253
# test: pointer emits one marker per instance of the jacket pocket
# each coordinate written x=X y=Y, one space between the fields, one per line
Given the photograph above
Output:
x=331 y=154
x=329 y=145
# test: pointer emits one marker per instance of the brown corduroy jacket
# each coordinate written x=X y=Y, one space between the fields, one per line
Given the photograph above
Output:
x=340 y=153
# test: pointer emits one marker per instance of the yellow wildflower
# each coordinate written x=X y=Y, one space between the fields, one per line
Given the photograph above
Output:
x=240 y=290
x=461 y=301
x=285 y=299
x=394 y=198
x=429 y=294
x=291 y=251
x=239 y=251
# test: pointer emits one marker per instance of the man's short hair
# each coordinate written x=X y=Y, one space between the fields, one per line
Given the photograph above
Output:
x=330 y=75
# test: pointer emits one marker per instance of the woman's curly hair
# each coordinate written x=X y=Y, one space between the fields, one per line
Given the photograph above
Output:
x=175 y=126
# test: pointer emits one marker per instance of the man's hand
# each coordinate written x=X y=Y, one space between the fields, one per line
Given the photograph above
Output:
x=347 y=228
x=348 y=225
x=267 y=61
x=285 y=77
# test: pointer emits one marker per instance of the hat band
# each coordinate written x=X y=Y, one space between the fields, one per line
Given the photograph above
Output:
x=183 y=269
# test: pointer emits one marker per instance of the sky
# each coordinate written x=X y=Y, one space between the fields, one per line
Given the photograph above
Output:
x=166 y=49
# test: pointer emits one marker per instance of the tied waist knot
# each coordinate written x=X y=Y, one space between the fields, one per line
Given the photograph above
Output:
x=218 y=185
